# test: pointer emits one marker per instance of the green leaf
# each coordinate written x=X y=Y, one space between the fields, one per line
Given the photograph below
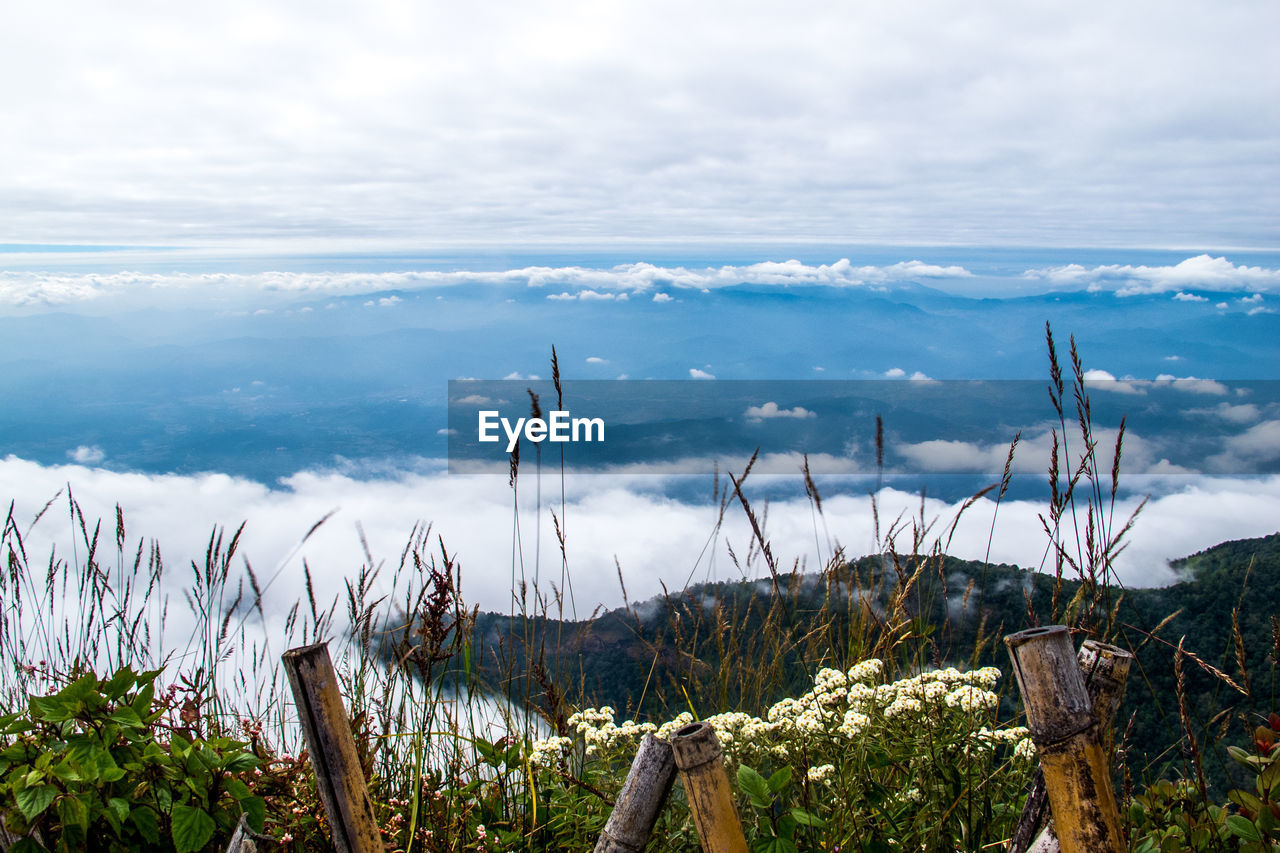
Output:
x=779 y=779
x=255 y=809
x=239 y=762
x=28 y=845
x=119 y=684
x=804 y=818
x=147 y=822
x=141 y=703
x=180 y=746
x=1244 y=798
x=73 y=811
x=126 y=716
x=80 y=694
x=48 y=709
x=119 y=807
x=1242 y=827
x=33 y=801
x=236 y=788
x=753 y=783
x=192 y=828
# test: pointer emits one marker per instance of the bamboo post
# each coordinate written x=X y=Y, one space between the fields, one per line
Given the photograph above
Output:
x=706 y=784
x=339 y=777
x=1060 y=716
x=1106 y=671
x=245 y=840
x=640 y=801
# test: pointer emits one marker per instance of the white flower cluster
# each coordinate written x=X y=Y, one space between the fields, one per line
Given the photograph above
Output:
x=822 y=773
x=841 y=706
x=601 y=733
x=969 y=698
x=548 y=751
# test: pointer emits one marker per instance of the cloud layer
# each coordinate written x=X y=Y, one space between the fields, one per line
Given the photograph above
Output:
x=1067 y=124
x=654 y=538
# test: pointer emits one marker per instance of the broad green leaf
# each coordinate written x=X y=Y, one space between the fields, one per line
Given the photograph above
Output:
x=255 y=808
x=192 y=828
x=753 y=783
x=803 y=818
x=73 y=811
x=141 y=703
x=33 y=801
x=119 y=684
x=147 y=822
x=1242 y=827
x=81 y=693
x=1244 y=798
x=180 y=746
x=779 y=779
x=119 y=806
x=126 y=716
x=237 y=789
x=239 y=762
x=49 y=709
x=27 y=845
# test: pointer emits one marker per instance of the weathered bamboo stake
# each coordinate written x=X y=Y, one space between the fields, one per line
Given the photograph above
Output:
x=1060 y=716
x=640 y=801
x=245 y=840
x=1106 y=671
x=706 y=784
x=339 y=776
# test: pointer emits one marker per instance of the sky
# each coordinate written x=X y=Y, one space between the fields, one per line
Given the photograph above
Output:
x=409 y=123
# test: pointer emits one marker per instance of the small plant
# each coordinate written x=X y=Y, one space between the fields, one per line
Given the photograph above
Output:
x=776 y=823
x=103 y=765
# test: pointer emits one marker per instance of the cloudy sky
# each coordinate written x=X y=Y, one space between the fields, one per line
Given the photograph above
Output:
x=403 y=122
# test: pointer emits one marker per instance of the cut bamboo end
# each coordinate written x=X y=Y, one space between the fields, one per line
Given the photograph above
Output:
x=1106 y=671
x=1049 y=679
x=643 y=794
x=339 y=776
x=706 y=784
x=1060 y=717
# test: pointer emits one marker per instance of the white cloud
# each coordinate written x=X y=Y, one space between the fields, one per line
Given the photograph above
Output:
x=895 y=373
x=1192 y=385
x=479 y=399
x=1260 y=443
x=1201 y=272
x=595 y=359
x=770 y=410
x=661 y=297
x=1245 y=413
x=604 y=517
x=695 y=373
x=1102 y=380
x=649 y=120
x=1256 y=299
x=1189 y=297
x=446 y=431
x=85 y=455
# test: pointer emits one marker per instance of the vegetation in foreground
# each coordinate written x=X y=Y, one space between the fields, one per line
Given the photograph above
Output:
x=870 y=724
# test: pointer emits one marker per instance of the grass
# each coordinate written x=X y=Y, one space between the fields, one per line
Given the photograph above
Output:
x=862 y=733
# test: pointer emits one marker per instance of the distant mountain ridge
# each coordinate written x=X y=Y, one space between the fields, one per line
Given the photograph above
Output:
x=648 y=658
